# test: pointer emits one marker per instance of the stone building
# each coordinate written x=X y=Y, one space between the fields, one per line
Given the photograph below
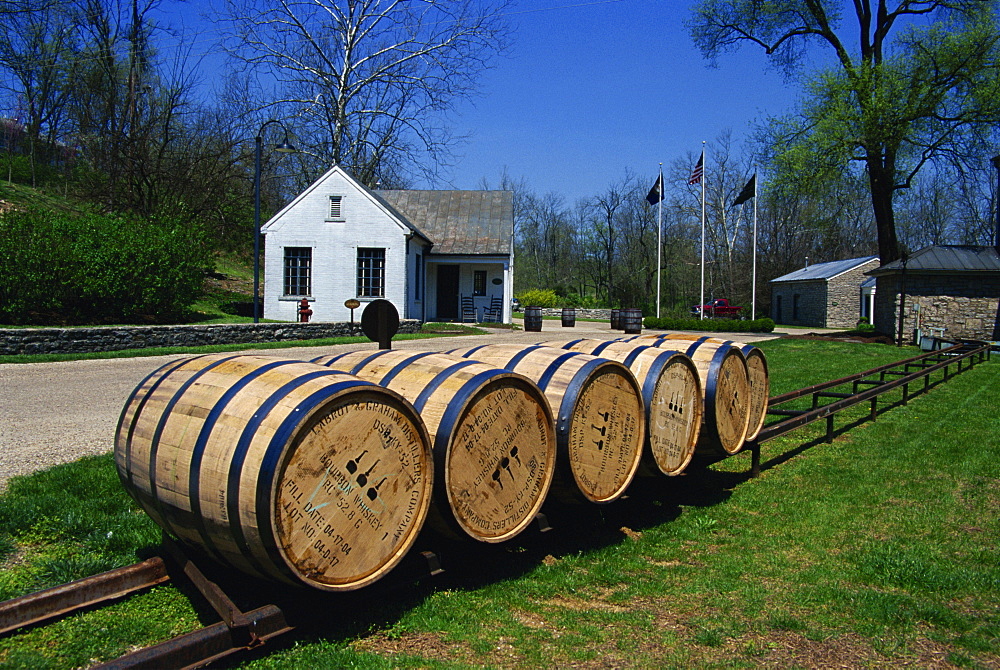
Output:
x=824 y=295
x=949 y=290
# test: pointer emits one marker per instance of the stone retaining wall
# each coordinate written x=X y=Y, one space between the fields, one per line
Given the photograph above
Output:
x=581 y=313
x=115 y=338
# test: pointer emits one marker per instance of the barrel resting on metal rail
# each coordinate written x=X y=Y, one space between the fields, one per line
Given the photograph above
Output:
x=865 y=386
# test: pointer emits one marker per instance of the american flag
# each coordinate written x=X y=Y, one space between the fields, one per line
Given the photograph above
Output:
x=698 y=171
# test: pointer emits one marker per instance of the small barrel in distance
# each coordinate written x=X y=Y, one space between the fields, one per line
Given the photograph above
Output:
x=568 y=317
x=533 y=319
x=632 y=321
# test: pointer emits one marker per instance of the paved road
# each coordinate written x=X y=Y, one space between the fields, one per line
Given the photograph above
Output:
x=53 y=413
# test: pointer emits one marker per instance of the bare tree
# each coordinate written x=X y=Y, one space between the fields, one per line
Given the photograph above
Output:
x=37 y=48
x=367 y=82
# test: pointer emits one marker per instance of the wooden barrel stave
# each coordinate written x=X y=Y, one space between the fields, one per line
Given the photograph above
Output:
x=671 y=393
x=220 y=451
x=598 y=408
x=491 y=428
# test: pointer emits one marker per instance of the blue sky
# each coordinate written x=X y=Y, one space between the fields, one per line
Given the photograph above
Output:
x=591 y=88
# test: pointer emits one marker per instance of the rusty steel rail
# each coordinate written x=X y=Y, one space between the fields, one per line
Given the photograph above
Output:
x=60 y=600
x=878 y=381
x=237 y=631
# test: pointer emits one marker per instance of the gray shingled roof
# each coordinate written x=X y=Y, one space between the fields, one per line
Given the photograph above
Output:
x=824 y=271
x=458 y=222
x=947 y=258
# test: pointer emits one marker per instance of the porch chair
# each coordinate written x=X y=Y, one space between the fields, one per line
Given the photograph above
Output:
x=468 y=310
x=494 y=313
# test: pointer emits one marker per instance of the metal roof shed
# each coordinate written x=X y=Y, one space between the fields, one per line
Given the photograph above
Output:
x=825 y=295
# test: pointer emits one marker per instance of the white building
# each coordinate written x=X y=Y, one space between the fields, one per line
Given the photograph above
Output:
x=430 y=253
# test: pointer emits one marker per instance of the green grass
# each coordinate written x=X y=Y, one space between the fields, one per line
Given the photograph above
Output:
x=877 y=550
x=26 y=196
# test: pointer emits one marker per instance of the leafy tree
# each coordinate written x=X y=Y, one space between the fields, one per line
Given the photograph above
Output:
x=909 y=82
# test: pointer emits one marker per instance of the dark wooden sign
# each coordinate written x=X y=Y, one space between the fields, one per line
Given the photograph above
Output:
x=379 y=322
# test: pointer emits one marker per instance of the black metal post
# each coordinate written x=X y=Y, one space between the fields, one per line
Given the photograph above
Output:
x=256 y=225
x=285 y=148
x=996 y=203
x=902 y=301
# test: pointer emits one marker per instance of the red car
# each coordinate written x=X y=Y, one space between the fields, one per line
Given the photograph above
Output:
x=717 y=308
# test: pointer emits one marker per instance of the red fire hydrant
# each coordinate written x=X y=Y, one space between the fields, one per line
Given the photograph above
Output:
x=304 y=311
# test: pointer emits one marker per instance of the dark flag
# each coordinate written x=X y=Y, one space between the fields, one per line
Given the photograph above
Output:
x=655 y=194
x=698 y=171
x=749 y=191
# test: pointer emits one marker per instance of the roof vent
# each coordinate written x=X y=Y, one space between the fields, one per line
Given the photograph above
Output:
x=807 y=261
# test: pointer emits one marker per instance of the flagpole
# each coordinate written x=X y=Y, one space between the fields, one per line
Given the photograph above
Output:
x=753 y=296
x=704 y=174
x=659 y=245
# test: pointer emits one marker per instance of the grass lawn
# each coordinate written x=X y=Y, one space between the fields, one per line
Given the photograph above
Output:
x=878 y=550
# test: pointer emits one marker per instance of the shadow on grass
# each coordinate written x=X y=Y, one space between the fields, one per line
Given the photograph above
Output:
x=468 y=565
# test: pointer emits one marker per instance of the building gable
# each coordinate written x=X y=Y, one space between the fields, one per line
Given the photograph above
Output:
x=316 y=204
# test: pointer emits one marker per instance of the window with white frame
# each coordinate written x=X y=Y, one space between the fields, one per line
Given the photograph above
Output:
x=371 y=273
x=479 y=282
x=298 y=271
x=336 y=212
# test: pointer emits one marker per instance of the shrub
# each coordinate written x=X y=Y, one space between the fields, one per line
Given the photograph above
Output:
x=97 y=269
x=537 y=297
x=864 y=326
x=18 y=168
x=763 y=325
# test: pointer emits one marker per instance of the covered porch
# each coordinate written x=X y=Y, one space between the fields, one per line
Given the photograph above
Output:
x=468 y=289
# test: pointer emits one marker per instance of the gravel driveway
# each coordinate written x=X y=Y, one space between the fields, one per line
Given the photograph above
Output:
x=53 y=413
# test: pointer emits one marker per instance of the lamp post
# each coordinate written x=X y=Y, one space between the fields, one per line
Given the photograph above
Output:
x=284 y=148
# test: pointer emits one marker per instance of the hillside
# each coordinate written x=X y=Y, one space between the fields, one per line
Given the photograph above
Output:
x=19 y=196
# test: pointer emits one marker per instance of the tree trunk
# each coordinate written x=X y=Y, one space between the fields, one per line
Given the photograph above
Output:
x=881 y=179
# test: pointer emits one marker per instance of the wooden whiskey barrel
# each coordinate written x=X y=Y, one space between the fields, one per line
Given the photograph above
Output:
x=632 y=320
x=598 y=408
x=279 y=468
x=671 y=394
x=760 y=381
x=533 y=319
x=494 y=440
x=722 y=370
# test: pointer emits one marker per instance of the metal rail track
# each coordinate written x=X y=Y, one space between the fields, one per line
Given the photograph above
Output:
x=238 y=630
x=865 y=387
